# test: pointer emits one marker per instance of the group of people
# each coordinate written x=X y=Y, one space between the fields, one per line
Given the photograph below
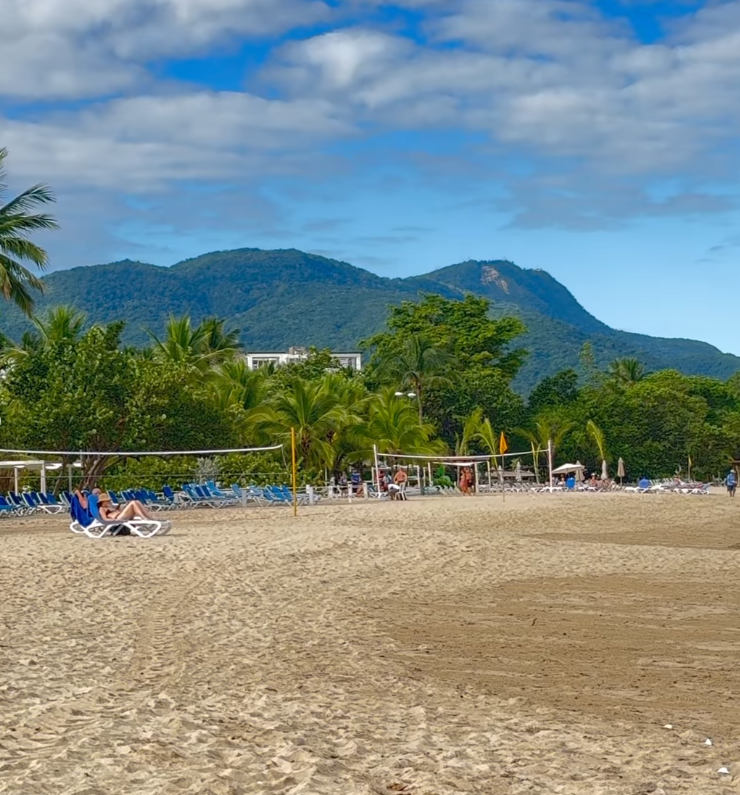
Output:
x=466 y=482
x=396 y=488
x=354 y=486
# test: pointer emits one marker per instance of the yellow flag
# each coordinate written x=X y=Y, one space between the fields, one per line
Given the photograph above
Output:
x=502 y=445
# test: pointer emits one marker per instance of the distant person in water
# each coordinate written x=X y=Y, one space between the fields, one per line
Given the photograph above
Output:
x=731 y=482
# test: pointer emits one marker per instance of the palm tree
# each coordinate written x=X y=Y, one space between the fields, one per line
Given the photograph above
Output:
x=313 y=410
x=17 y=222
x=243 y=391
x=61 y=324
x=470 y=432
x=597 y=435
x=201 y=347
x=627 y=371
x=393 y=425
x=549 y=426
x=222 y=343
x=487 y=436
x=418 y=365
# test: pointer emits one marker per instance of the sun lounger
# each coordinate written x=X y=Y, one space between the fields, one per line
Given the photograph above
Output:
x=90 y=522
x=6 y=508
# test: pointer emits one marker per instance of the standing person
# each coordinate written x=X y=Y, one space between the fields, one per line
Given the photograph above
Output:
x=356 y=479
x=343 y=484
x=463 y=482
x=399 y=482
x=731 y=482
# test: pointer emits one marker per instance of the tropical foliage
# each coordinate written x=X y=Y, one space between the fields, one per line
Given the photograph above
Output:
x=439 y=379
x=18 y=220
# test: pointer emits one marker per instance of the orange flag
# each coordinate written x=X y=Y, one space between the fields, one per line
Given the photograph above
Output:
x=502 y=445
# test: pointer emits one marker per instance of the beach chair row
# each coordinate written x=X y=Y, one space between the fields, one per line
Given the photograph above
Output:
x=209 y=495
x=190 y=495
x=30 y=502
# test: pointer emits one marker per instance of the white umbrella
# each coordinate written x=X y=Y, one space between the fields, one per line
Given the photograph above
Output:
x=518 y=472
x=620 y=469
x=604 y=471
x=579 y=471
x=567 y=468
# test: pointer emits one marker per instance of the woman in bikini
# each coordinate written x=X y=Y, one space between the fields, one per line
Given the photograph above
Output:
x=132 y=510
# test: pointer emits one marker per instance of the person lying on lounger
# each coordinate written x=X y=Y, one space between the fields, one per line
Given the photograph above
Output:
x=132 y=510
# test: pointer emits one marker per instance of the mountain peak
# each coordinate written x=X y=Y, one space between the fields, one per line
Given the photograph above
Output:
x=288 y=297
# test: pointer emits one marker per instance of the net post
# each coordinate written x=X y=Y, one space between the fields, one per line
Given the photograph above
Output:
x=295 y=472
x=377 y=469
x=549 y=462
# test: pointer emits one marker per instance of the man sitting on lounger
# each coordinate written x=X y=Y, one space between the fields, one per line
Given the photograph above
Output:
x=132 y=510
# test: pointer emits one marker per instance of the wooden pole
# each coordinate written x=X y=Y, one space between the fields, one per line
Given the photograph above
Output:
x=488 y=470
x=295 y=472
x=549 y=462
x=477 y=482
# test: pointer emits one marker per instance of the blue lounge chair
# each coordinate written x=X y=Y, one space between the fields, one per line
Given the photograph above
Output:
x=6 y=508
x=99 y=527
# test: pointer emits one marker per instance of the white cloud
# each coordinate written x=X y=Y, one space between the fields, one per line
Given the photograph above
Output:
x=72 y=49
x=549 y=81
x=145 y=143
x=550 y=76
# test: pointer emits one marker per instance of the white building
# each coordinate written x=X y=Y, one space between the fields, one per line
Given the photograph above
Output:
x=259 y=359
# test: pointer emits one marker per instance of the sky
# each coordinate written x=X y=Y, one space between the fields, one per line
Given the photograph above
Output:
x=595 y=139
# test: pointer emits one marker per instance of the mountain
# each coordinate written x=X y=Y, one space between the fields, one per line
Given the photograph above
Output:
x=287 y=297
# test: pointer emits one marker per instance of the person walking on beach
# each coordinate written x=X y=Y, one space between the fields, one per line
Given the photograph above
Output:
x=731 y=482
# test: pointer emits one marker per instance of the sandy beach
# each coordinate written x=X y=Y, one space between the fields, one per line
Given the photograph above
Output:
x=438 y=646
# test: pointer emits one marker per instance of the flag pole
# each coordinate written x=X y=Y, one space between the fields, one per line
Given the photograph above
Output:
x=295 y=472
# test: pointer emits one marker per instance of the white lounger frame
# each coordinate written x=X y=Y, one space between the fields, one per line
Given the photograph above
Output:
x=143 y=528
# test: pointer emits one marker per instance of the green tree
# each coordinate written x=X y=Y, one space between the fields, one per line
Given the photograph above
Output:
x=560 y=389
x=551 y=426
x=417 y=365
x=393 y=425
x=199 y=347
x=219 y=343
x=18 y=222
x=314 y=411
x=464 y=328
x=90 y=394
x=481 y=366
x=488 y=436
x=598 y=438
x=624 y=372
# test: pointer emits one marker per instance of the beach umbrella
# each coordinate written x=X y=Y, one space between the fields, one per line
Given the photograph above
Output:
x=604 y=471
x=568 y=468
x=518 y=472
x=579 y=471
x=620 y=470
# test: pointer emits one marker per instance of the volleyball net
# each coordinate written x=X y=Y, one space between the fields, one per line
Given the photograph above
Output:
x=135 y=467
x=489 y=472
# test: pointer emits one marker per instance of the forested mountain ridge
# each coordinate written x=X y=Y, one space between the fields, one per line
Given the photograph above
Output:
x=287 y=297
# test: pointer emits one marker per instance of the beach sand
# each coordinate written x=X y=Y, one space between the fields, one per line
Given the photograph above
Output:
x=437 y=646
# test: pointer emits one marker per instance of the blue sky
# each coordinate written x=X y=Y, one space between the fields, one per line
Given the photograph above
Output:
x=596 y=139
